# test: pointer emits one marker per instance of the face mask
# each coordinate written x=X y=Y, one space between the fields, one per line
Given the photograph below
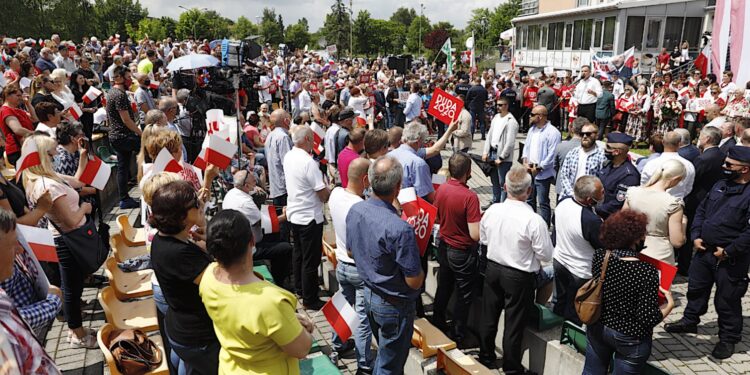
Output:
x=730 y=174
x=609 y=155
x=128 y=82
x=640 y=245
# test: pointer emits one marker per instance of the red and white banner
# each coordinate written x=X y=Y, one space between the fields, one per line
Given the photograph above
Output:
x=720 y=36
x=341 y=316
x=420 y=214
x=91 y=94
x=165 y=162
x=219 y=152
x=318 y=135
x=624 y=104
x=740 y=41
x=29 y=157
x=269 y=220
x=96 y=173
x=445 y=107
x=437 y=180
x=40 y=241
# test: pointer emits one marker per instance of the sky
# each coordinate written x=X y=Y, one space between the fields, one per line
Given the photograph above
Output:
x=456 y=12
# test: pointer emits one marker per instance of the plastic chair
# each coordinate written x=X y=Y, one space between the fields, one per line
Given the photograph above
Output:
x=131 y=236
x=102 y=338
x=573 y=335
x=127 y=285
x=330 y=253
x=463 y=365
x=545 y=318
x=122 y=251
x=428 y=339
x=264 y=273
x=138 y=314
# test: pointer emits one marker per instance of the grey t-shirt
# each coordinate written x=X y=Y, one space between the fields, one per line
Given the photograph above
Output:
x=547 y=98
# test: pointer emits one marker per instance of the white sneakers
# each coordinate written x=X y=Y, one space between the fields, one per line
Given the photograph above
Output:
x=88 y=340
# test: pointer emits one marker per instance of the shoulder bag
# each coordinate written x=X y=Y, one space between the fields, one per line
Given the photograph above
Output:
x=588 y=300
x=133 y=351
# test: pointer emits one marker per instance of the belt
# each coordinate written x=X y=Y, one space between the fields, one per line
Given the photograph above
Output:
x=509 y=267
x=347 y=263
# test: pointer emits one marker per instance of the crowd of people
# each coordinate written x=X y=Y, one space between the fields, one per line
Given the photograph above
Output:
x=335 y=142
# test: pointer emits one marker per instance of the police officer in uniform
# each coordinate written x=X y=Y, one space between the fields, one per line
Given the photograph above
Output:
x=618 y=175
x=721 y=239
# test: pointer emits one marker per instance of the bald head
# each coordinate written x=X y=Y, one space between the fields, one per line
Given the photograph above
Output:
x=712 y=111
x=280 y=118
x=394 y=136
x=357 y=174
x=671 y=141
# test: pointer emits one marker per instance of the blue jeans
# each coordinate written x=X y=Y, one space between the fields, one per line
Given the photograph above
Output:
x=352 y=288
x=497 y=177
x=540 y=193
x=392 y=324
x=173 y=360
x=196 y=359
x=631 y=353
x=477 y=118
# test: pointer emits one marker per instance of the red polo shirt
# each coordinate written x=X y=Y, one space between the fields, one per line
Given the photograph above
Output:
x=457 y=206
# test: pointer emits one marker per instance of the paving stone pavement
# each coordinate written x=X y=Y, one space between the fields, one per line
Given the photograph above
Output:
x=677 y=354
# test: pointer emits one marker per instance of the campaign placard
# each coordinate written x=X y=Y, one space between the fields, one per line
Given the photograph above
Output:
x=445 y=107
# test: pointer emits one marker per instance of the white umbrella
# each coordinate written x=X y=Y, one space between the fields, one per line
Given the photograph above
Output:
x=195 y=61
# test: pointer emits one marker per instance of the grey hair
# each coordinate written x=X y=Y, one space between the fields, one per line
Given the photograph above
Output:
x=712 y=134
x=182 y=95
x=153 y=116
x=385 y=175
x=586 y=187
x=7 y=221
x=167 y=102
x=517 y=181
x=239 y=179
x=300 y=133
x=684 y=134
x=414 y=132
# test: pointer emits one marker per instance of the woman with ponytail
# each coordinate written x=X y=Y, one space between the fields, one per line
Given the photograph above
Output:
x=666 y=222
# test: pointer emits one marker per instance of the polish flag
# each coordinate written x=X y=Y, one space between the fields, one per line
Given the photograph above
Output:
x=91 y=94
x=703 y=61
x=200 y=161
x=219 y=151
x=29 y=157
x=75 y=110
x=437 y=180
x=407 y=198
x=41 y=42
x=269 y=220
x=318 y=135
x=104 y=100
x=154 y=85
x=96 y=173
x=165 y=163
x=11 y=42
x=40 y=241
x=341 y=316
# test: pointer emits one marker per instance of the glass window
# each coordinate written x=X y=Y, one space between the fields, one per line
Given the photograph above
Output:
x=692 y=31
x=583 y=3
x=586 y=37
x=598 y=25
x=543 y=43
x=555 y=36
x=525 y=37
x=652 y=37
x=672 y=32
x=568 y=35
x=534 y=37
x=609 y=34
x=634 y=32
x=559 y=35
x=577 y=32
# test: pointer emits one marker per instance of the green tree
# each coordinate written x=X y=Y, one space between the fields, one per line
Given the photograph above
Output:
x=270 y=28
x=71 y=19
x=111 y=16
x=153 y=27
x=244 y=28
x=170 y=25
x=404 y=16
x=297 y=36
x=202 y=25
x=419 y=27
x=336 y=26
x=363 y=31
x=388 y=37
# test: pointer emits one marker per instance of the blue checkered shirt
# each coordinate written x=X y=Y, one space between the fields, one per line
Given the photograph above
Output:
x=569 y=169
x=20 y=288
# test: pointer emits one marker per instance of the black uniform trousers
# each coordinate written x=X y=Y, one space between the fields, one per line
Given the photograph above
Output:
x=731 y=281
x=513 y=290
x=308 y=241
x=458 y=270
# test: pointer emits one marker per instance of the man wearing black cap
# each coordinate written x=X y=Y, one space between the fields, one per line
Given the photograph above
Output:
x=721 y=239
x=617 y=175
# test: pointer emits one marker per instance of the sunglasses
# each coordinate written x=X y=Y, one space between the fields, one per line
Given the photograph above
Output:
x=587 y=134
x=538 y=114
x=729 y=164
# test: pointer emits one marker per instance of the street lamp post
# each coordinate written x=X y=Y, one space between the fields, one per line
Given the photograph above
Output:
x=421 y=19
x=351 y=30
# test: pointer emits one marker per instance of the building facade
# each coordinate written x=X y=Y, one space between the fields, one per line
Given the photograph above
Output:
x=563 y=33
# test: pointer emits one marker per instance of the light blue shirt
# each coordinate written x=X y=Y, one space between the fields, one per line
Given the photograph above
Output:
x=416 y=171
x=413 y=106
x=547 y=138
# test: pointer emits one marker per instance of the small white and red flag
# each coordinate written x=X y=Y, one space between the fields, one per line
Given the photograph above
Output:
x=341 y=316
x=269 y=220
x=437 y=180
x=75 y=110
x=40 y=241
x=29 y=157
x=200 y=161
x=154 y=85
x=11 y=42
x=219 y=151
x=165 y=162
x=91 y=94
x=318 y=135
x=96 y=173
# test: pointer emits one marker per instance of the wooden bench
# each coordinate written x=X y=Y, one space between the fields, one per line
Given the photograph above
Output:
x=428 y=339
x=131 y=236
x=458 y=363
x=102 y=338
x=139 y=314
x=127 y=285
x=330 y=253
x=122 y=251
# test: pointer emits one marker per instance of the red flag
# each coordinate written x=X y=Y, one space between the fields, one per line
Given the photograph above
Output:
x=269 y=220
x=341 y=316
x=444 y=106
x=219 y=151
x=96 y=173
x=361 y=121
x=29 y=157
x=40 y=241
x=703 y=61
x=165 y=163
x=420 y=214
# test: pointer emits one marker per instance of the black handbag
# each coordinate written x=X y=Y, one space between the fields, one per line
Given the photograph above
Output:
x=87 y=245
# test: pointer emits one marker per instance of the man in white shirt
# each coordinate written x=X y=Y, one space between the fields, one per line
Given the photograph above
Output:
x=63 y=61
x=587 y=91
x=413 y=103
x=240 y=198
x=329 y=143
x=295 y=89
x=305 y=102
x=577 y=232
x=264 y=95
x=306 y=194
x=727 y=86
x=352 y=286
x=501 y=140
x=517 y=242
x=671 y=144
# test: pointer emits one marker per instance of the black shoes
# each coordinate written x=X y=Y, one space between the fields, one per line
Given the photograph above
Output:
x=680 y=327
x=317 y=305
x=723 y=350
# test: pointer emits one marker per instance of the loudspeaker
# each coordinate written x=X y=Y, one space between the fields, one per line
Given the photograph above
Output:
x=399 y=63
